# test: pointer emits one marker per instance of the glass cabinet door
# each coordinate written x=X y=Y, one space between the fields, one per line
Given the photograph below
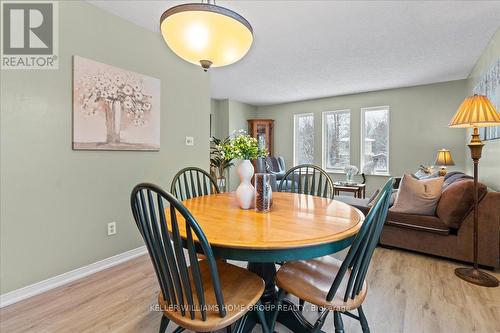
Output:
x=261 y=129
x=261 y=135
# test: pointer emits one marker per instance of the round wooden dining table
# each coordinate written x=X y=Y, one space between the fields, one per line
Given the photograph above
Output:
x=297 y=227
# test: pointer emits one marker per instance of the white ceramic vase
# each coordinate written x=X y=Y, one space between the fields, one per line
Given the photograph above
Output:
x=245 y=191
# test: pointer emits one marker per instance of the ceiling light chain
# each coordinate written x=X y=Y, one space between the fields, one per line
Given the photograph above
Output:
x=209 y=2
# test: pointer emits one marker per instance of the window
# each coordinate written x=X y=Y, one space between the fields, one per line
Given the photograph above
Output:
x=303 y=138
x=375 y=140
x=336 y=140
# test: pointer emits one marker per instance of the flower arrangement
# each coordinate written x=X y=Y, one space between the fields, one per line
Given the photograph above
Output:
x=100 y=91
x=242 y=146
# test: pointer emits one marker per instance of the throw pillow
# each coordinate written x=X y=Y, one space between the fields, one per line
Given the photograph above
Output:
x=420 y=174
x=418 y=196
x=435 y=174
x=426 y=172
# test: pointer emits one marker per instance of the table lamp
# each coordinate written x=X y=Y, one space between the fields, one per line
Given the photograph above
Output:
x=443 y=159
x=476 y=111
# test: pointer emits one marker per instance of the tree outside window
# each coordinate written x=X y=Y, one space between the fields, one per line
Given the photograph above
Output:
x=375 y=140
x=336 y=139
x=304 y=138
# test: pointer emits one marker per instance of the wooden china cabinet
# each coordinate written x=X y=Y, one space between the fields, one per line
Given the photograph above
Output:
x=262 y=130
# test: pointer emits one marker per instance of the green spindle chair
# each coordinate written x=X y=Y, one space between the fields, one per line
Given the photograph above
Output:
x=334 y=285
x=194 y=293
x=307 y=179
x=193 y=182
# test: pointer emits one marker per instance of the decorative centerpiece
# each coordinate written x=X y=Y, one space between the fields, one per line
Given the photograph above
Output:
x=263 y=192
x=242 y=146
x=350 y=171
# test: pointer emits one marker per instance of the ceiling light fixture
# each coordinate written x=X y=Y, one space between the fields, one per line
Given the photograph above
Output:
x=206 y=34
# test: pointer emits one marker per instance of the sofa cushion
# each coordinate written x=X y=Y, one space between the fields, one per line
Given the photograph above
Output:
x=361 y=204
x=417 y=222
x=457 y=200
x=276 y=166
x=272 y=164
x=418 y=196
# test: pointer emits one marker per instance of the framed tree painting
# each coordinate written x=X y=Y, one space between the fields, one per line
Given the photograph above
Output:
x=113 y=108
x=489 y=85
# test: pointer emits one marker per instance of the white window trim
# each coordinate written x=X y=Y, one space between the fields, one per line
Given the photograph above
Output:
x=323 y=136
x=295 y=116
x=361 y=160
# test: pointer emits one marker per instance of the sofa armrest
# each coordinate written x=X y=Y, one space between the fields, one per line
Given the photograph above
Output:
x=278 y=175
x=488 y=231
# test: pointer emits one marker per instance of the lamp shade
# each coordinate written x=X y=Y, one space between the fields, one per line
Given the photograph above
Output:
x=475 y=111
x=206 y=34
x=443 y=158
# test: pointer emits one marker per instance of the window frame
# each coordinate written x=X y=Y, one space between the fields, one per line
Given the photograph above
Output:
x=362 y=140
x=295 y=117
x=324 y=136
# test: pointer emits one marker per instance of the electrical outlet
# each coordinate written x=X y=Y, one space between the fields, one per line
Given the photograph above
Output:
x=111 y=228
x=189 y=141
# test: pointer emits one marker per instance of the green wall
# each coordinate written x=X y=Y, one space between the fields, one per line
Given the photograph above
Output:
x=489 y=165
x=419 y=119
x=219 y=110
x=56 y=202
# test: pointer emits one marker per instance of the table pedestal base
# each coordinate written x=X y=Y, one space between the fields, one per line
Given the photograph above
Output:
x=290 y=316
x=266 y=271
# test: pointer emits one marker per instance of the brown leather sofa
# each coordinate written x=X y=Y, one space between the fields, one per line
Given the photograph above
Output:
x=449 y=233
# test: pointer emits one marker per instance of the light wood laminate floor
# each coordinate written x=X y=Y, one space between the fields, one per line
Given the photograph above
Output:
x=407 y=293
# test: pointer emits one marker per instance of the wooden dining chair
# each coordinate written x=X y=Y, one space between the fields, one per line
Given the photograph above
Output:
x=307 y=179
x=193 y=182
x=334 y=285
x=193 y=293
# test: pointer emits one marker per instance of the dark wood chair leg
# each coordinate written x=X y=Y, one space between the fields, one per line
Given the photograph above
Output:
x=337 y=321
x=240 y=324
x=178 y=329
x=320 y=322
x=301 y=304
x=164 y=324
x=363 y=321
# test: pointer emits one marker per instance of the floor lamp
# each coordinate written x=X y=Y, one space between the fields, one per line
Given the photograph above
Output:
x=476 y=111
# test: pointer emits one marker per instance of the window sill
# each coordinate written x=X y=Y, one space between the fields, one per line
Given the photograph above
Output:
x=340 y=172
x=379 y=174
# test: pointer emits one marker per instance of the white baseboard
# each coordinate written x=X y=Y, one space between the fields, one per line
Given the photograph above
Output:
x=64 y=278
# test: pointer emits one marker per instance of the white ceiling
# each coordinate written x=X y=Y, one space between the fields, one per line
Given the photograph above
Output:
x=311 y=49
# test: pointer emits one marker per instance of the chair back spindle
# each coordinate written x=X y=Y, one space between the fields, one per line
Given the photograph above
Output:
x=359 y=256
x=193 y=182
x=179 y=277
x=307 y=179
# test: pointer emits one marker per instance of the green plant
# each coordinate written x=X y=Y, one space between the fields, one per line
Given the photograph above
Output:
x=218 y=162
x=243 y=146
